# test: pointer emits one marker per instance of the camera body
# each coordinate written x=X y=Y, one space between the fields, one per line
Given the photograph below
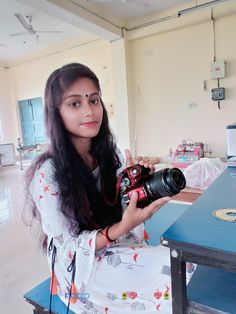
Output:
x=165 y=182
x=133 y=181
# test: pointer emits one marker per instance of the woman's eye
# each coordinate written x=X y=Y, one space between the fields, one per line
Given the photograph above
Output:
x=94 y=101
x=74 y=104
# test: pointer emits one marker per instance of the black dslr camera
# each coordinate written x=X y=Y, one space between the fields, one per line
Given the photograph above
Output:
x=165 y=182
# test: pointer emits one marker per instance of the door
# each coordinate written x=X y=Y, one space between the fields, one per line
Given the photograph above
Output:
x=32 y=124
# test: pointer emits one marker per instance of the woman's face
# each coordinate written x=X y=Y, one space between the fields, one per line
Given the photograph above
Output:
x=81 y=109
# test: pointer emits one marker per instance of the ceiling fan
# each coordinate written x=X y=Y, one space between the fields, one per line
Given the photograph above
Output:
x=28 y=26
x=141 y=2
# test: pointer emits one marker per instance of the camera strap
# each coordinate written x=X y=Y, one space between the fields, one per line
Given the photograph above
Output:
x=52 y=250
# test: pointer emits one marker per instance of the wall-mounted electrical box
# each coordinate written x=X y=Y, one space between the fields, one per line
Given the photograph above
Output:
x=218 y=93
x=218 y=69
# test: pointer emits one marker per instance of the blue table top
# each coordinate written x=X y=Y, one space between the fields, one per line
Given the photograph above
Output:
x=197 y=226
x=162 y=220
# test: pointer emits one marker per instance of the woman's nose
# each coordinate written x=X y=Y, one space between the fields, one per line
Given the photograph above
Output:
x=87 y=110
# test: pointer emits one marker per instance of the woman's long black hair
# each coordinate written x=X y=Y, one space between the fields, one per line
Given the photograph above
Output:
x=82 y=204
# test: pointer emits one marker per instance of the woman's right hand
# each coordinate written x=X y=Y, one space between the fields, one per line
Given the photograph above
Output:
x=133 y=215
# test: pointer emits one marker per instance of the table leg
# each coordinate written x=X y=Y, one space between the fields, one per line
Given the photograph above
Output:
x=178 y=282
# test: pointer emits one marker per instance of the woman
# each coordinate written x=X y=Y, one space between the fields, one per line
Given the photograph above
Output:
x=99 y=260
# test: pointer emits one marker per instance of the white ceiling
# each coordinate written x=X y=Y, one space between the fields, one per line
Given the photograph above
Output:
x=46 y=17
x=130 y=9
x=12 y=48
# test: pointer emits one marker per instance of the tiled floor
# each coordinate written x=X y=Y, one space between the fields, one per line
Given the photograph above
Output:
x=22 y=264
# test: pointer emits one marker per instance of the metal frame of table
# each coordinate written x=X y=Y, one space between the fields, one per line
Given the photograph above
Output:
x=199 y=237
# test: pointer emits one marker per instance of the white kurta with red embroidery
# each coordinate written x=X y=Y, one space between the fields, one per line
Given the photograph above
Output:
x=126 y=277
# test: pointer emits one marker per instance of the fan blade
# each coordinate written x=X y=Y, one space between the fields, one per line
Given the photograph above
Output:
x=18 y=34
x=20 y=18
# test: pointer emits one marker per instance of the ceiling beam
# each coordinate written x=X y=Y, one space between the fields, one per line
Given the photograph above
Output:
x=74 y=14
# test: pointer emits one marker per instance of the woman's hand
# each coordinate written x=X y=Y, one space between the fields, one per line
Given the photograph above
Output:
x=133 y=215
x=147 y=162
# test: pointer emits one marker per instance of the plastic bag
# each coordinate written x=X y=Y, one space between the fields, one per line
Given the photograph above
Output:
x=203 y=172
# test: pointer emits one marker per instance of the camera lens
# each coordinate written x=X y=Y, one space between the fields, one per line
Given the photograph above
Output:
x=166 y=182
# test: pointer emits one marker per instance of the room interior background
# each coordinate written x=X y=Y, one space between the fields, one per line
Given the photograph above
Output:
x=156 y=80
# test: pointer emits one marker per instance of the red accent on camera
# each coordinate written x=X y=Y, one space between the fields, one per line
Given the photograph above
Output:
x=142 y=195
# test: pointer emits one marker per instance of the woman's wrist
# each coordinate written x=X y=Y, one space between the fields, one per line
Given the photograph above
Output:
x=109 y=235
x=104 y=232
x=115 y=231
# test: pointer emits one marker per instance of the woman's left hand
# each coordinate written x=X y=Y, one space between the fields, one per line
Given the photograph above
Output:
x=147 y=162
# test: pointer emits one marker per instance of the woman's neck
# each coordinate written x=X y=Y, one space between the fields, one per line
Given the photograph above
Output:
x=83 y=147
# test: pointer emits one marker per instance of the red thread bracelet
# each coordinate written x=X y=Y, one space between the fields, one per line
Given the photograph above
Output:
x=105 y=234
x=106 y=230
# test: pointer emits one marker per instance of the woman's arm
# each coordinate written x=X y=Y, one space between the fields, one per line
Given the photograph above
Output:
x=132 y=217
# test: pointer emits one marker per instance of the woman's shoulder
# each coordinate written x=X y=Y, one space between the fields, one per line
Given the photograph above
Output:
x=43 y=172
x=45 y=166
x=43 y=177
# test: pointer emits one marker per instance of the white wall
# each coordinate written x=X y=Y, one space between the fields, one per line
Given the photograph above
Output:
x=8 y=126
x=168 y=70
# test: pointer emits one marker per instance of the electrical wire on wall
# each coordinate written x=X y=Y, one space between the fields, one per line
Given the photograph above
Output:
x=214 y=48
x=214 y=35
x=218 y=85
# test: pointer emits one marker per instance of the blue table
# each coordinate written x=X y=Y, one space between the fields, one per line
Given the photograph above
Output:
x=39 y=297
x=199 y=237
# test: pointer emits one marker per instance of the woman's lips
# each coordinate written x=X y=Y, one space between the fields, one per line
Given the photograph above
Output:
x=89 y=124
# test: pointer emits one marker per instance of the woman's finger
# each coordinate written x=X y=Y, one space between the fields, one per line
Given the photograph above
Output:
x=133 y=200
x=128 y=157
x=152 y=169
